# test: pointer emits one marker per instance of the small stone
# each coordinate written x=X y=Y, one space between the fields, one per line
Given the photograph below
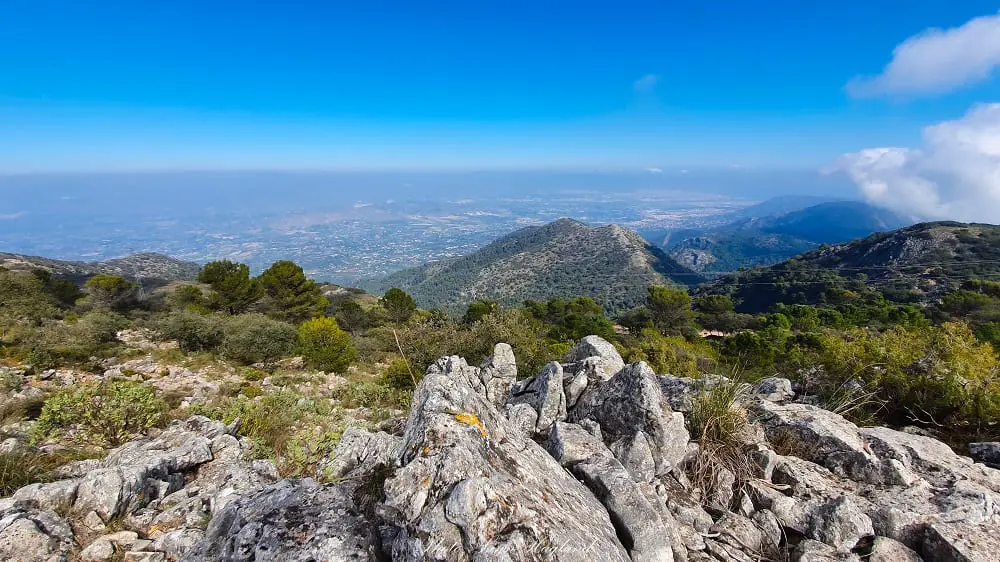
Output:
x=98 y=551
x=93 y=522
x=133 y=556
x=841 y=524
x=774 y=389
x=888 y=550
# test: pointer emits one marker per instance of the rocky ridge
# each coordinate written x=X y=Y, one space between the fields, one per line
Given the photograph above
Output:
x=610 y=264
x=590 y=459
x=146 y=266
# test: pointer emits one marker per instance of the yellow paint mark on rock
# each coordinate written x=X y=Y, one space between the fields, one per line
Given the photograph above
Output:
x=473 y=420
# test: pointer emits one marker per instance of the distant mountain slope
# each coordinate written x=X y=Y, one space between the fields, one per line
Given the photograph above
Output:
x=914 y=264
x=148 y=266
x=564 y=258
x=781 y=205
x=756 y=241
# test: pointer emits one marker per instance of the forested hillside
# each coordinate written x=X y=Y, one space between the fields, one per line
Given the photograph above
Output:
x=564 y=258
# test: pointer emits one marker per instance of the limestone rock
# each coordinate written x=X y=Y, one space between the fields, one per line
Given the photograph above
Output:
x=498 y=373
x=987 y=453
x=821 y=436
x=740 y=532
x=512 y=500
x=841 y=524
x=679 y=392
x=545 y=394
x=641 y=527
x=34 y=536
x=595 y=346
x=55 y=496
x=814 y=551
x=293 y=520
x=98 y=551
x=632 y=402
x=950 y=542
x=887 y=550
x=177 y=543
x=774 y=389
x=360 y=452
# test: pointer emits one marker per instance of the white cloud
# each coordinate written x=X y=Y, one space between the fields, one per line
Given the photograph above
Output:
x=956 y=175
x=12 y=216
x=646 y=84
x=937 y=61
x=654 y=170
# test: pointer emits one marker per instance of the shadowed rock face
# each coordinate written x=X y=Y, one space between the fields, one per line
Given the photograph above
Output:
x=487 y=469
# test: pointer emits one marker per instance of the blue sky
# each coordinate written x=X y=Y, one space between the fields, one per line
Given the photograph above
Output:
x=101 y=85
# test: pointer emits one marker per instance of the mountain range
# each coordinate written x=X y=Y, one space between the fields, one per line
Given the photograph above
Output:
x=564 y=258
x=918 y=263
x=149 y=267
x=754 y=239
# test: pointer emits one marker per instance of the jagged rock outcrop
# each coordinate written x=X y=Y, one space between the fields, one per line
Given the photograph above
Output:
x=629 y=404
x=468 y=486
x=174 y=481
x=580 y=462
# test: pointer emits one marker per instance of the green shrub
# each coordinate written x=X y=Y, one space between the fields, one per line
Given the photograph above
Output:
x=268 y=421
x=193 y=331
x=110 y=412
x=98 y=327
x=10 y=380
x=940 y=375
x=306 y=450
x=255 y=338
x=325 y=346
x=251 y=391
x=672 y=355
x=110 y=291
x=254 y=375
x=57 y=343
x=371 y=394
x=400 y=376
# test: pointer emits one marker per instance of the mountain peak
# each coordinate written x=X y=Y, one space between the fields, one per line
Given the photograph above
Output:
x=564 y=258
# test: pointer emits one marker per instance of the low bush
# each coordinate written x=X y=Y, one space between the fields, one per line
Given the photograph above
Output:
x=74 y=340
x=941 y=376
x=192 y=330
x=400 y=376
x=255 y=338
x=325 y=346
x=109 y=413
x=672 y=355
x=371 y=394
x=254 y=375
x=268 y=420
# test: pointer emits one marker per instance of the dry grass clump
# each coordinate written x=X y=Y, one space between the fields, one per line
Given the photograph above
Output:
x=721 y=424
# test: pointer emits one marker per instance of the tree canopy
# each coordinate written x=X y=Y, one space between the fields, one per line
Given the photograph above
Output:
x=291 y=296
x=233 y=290
x=398 y=305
